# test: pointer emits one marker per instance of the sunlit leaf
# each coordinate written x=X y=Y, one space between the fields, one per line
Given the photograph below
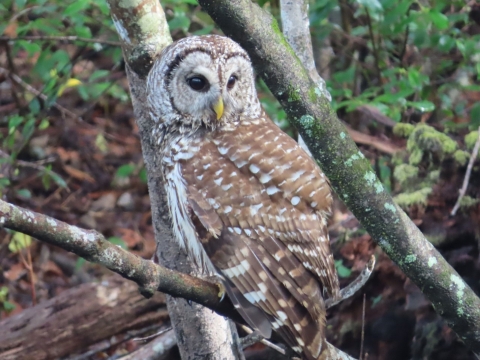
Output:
x=19 y=241
x=424 y=106
x=70 y=83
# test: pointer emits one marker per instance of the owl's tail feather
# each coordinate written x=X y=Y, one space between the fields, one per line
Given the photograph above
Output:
x=253 y=316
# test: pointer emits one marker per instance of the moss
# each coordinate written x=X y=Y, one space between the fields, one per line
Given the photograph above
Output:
x=425 y=138
x=434 y=175
x=418 y=197
x=312 y=94
x=471 y=139
x=404 y=173
x=468 y=201
x=403 y=130
x=461 y=157
x=277 y=31
x=399 y=157
x=416 y=157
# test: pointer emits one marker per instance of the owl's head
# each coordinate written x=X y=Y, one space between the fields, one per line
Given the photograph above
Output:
x=202 y=81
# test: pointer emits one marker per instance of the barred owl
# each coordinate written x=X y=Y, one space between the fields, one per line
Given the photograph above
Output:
x=245 y=199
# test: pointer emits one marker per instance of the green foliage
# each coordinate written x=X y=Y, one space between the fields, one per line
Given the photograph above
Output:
x=405 y=173
x=461 y=157
x=399 y=55
x=19 y=242
x=342 y=270
x=403 y=130
x=5 y=305
x=407 y=199
x=426 y=140
x=470 y=140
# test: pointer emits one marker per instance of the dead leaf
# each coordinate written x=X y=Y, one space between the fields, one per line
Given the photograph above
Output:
x=51 y=268
x=78 y=174
x=11 y=29
x=15 y=272
x=131 y=237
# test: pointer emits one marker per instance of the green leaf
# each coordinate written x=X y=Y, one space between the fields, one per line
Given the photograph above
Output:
x=179 y=22
x=439 y=19
x=424 y=106
x=20 y=3
x=28 y=129
x=79 y=263
x=8 y=306
x=76 y=7
x=24 y=193
x=342 y=270
x=19 y=241
x=475 y=115
x=58 y=179
x=44 y=124
x=143 y=175
x=14 y=122
x=117 y=241
x=3 y=293
x=101 y=143
x=125 y=170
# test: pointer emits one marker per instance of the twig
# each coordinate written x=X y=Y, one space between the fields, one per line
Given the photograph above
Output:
x=17 y=79
x=161 y=332
x=61 y=38
x=355 y=285
x=255 y=339
x=374 y=46
x=363 y=329
x=466 y=180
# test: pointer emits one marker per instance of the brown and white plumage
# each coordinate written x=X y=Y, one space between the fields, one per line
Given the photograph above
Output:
x=245 y=199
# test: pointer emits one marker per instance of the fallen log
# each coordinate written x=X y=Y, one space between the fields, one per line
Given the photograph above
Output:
x=78 y=318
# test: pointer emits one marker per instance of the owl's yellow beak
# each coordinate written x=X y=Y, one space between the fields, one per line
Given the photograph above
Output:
x=218 y=108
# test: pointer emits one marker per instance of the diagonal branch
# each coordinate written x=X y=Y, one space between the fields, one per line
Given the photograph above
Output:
x=350 y=173
x=92 y=246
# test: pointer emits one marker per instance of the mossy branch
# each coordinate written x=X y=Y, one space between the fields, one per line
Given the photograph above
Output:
x=92 y=246
x=349 y=172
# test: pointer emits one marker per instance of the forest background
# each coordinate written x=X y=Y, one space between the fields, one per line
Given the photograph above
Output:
x=403 y=77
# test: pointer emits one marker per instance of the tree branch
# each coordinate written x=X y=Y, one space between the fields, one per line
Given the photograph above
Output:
x=351 y=175
x=93 y=247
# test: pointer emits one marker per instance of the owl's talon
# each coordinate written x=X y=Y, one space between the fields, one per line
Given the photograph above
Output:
x=221 y=290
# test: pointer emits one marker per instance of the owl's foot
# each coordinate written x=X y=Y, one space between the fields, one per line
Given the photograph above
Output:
x=218 y=280
x=221 y=290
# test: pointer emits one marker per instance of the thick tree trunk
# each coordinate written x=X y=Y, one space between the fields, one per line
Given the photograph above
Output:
x=77 y=318
x=201 y=333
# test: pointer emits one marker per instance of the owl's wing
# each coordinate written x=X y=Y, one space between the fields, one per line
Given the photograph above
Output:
x=272 y=201
x=209 y=227
x=295 y=195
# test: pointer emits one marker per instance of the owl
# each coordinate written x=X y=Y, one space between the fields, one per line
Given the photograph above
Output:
x=246 y=201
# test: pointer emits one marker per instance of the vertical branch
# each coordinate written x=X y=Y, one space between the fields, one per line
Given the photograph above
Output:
x=143 y=30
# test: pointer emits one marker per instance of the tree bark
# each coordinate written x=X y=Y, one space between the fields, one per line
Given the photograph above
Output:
x=77 y=318
x=201 y=333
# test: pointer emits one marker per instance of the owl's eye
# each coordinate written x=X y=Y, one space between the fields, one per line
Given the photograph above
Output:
x=231 y=81
x=198 y=83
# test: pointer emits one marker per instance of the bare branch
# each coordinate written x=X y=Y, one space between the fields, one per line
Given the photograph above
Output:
x=93 y=247
x=61 y=38
x=463 y=190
